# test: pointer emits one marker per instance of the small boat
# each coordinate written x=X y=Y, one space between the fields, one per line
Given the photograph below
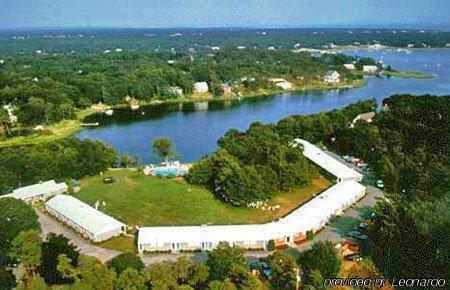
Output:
x=109 y=112
x=90 y=124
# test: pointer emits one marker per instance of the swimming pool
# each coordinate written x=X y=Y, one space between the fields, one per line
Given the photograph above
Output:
x=169 y=171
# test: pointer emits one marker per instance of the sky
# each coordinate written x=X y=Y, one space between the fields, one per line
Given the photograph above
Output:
x=224 y=13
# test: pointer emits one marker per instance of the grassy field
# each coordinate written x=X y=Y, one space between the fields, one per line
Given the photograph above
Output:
x=138 y=200
x=408 y=74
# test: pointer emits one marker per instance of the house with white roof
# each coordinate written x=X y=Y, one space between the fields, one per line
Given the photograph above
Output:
x=366 y=117
x=88 y=221
x=201 y=87
x=332 y=77
x=281 y=83
x=38 y=192
x=349 y=66
x=370 y=68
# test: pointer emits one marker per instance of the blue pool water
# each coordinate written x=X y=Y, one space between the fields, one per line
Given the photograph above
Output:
x=169 y=171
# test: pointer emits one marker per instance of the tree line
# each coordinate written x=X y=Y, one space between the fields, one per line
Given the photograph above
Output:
x=56 y=261
x=47 y=88
x=256 y=164
x=60 y=160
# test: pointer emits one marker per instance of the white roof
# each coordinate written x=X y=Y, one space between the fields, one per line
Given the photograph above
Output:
x=38 y=189
x=307 y=217
x=320 y=209
x=316 y=155
x=87 y=217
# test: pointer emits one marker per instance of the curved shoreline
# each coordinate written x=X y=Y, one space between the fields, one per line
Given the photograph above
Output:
x=68 y=128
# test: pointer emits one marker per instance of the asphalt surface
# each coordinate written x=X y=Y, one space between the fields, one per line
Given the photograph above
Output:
x=50 y=225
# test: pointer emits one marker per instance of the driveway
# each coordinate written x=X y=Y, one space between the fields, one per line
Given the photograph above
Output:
x=50 y=225
x=332 y=232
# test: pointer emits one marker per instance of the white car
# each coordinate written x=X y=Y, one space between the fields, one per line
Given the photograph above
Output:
x=380 y=183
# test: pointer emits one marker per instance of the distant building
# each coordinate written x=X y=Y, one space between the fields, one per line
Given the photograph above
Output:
x=349 y=66
x=83 y=218
x=177 y=91
x=2 y=61
x=119 y=50
x=281 y=83
x=370 y=68
x=201 y=87
x=332 y=77
x=272 y=48
x=215 y=48
x=241 y=47
x=226 y=88
x=170 y=61
x=38 y=192
x=367 y=117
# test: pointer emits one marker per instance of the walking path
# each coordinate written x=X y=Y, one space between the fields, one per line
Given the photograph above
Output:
x=50 y=225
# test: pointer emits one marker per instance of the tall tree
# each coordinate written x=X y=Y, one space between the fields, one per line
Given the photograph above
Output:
x=320 y=257
x=52 y=247
x=130 y=279
x=126 y=260
x=26 y=249
x=284 y=269
x=163 y=147
x=222 y=258
x=16 y=216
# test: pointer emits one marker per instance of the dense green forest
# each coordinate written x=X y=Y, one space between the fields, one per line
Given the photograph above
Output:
x=256 y=164
x=67 y=158
x=46 y=88
x=406 y=146
x=98 y=40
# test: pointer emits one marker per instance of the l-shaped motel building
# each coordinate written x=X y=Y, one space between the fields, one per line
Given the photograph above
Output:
x=310 y=217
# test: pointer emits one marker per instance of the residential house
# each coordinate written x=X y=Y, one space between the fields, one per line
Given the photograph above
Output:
x=201 y=87
x=366 y=117
x=349 y=66
x=332 y=77
x=370 y=68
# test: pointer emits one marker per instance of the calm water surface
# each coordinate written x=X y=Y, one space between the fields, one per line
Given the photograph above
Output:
x=195 y=133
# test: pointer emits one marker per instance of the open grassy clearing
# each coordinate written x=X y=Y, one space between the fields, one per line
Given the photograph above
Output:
x=138 y=200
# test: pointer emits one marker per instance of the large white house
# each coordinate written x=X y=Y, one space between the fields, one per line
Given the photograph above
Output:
x=201 y=87
x=310 y=217
x=38 y=192
x=83 y=218
x=370 y=68
x=332 y=77
x=349 y=66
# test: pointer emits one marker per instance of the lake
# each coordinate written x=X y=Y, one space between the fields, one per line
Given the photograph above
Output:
x=195 y=132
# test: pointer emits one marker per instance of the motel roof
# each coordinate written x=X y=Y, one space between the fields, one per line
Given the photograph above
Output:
x=24 y=193
x=306 y=217
x=80 y=213
x=325 y=161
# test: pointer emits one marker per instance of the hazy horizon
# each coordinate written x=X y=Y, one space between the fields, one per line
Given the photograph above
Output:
x=154 y=14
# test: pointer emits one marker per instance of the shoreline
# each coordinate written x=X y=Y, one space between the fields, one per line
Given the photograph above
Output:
x=66 y=128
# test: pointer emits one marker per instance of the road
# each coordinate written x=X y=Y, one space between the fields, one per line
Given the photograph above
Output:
x=50 y=225
x=332 y=233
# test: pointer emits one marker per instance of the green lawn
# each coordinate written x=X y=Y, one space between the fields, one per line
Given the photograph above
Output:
x=139 y=200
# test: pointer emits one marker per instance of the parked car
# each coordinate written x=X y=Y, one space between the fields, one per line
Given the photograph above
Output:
x=354 y=257
x=353 y=234
x=380 y=183
x=362 y=225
